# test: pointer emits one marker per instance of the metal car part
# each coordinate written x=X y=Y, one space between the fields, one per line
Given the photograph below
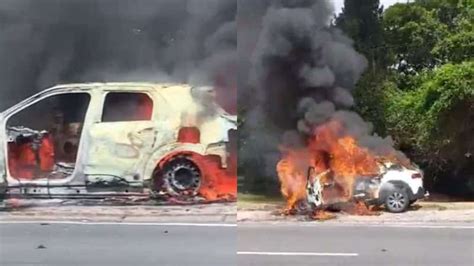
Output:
x=397 y=201
x=181 y=177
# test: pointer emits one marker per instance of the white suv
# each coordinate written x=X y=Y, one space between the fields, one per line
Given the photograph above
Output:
x=396 y=187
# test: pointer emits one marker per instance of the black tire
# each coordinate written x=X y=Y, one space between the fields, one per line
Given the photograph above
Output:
x=180 y=177
x=397 y=200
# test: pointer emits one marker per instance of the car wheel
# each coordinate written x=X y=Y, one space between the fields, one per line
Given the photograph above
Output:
x=397 y=200
x=181 y=177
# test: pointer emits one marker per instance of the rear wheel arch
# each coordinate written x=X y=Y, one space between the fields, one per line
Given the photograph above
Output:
x=163 y=154
x=388 y=186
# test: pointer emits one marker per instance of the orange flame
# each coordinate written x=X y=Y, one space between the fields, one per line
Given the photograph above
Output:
x=322 y=215
x=291 y=172
x=360 y=208
x=217 y=183
x=328 y=148
x=24 y=162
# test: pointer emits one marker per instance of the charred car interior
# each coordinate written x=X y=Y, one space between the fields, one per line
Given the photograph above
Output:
x=43 y=139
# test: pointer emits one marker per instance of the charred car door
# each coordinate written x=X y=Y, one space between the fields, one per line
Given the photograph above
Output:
x=121 y=141
x=42 y=134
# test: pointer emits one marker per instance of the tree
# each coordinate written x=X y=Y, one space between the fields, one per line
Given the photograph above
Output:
x=362 y=21
x=424 y=98
x=435 y=123
x=445 y=10
x=411 y=33
x=458 y=46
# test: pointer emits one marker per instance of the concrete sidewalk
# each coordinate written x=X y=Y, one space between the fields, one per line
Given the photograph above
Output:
x=50 y=210
x=423 y=212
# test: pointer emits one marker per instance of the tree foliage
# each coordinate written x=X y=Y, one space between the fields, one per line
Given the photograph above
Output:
x=418 y=116
x=424 y=96
x=411 y=32
x=435 y=121
x=428 y=33
x=362 y=21
x=458 y=46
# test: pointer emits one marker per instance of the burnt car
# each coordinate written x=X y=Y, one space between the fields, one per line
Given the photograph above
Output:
x=79 y=140
x=396 y=187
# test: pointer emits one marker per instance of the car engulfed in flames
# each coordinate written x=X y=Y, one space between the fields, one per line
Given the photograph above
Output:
x=119 y=139
x=333 y=169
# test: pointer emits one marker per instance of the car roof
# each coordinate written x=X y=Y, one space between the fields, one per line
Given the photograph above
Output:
x=117 y=86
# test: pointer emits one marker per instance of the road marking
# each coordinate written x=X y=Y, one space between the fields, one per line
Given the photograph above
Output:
x=122 y=223
x=261 y=253
x=327 y=224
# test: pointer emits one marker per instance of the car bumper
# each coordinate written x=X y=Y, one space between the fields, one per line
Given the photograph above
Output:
x=420 y=194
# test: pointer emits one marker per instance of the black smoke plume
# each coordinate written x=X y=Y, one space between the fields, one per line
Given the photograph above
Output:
x=303 y=71
x=46 y=42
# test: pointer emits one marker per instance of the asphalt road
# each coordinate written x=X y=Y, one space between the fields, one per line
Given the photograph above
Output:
x=315 y=244
x=256 y=244
x=112 y=244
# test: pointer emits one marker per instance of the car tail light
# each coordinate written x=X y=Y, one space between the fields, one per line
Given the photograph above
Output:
x=416 y=175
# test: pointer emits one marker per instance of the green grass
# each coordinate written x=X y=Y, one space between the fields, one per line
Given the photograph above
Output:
x=441 y=206
x=252 y=200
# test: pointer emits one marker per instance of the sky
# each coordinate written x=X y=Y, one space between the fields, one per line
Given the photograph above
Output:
x=338 y=4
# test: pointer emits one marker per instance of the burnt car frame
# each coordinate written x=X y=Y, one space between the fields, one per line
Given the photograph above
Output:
x=114 y=157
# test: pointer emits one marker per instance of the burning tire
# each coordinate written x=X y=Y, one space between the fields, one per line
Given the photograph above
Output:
x=397 y=200
x=180 y=177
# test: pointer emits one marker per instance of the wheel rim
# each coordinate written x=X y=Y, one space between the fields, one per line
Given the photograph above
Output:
x=397 y=201
x=184 y=178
